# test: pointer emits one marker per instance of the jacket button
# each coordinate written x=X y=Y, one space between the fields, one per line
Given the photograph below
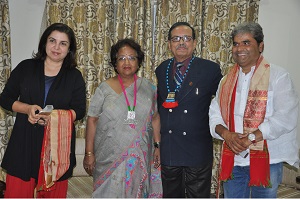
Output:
x=184 y=133
x=185 y=111
x=170 y=110
x=170 y=131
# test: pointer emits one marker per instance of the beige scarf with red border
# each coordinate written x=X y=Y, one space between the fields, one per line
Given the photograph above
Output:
x=253 y=116
x=56 y=149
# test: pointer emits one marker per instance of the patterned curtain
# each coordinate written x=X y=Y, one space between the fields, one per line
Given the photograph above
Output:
x=6 y=119
x=134 y=19
x=213 y=21
x=97 y=25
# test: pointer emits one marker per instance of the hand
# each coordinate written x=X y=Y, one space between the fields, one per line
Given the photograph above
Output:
x=44 y=120
x=156 y=157
x=245 y=137
x=89 y=163
x=236 y=142
x=36 y=117
x=32 y=113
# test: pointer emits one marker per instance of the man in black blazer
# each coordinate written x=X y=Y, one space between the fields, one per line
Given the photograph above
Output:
x=186 y=85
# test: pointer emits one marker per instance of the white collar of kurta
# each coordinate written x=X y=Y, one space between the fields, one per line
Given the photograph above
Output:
x=250 y=73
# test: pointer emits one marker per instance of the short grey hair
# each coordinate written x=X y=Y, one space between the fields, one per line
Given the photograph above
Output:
x=249 y=27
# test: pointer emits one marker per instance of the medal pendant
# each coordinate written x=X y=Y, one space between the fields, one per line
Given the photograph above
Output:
x=171 y=97
x=170 y=101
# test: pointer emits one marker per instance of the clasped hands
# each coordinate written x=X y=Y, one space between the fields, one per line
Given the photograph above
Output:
x=237 y=142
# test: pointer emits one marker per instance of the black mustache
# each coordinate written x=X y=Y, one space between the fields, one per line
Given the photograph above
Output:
x=181 y=45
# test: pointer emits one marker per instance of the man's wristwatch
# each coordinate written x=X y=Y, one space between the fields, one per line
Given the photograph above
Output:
x=251 y=137
x=156 y=144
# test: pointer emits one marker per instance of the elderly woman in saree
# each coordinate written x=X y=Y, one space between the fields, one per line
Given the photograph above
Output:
x=123 y=130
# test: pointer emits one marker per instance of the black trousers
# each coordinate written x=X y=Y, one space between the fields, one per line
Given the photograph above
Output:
x=182 y=181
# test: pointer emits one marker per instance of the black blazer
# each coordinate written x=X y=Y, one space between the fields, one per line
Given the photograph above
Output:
x=27 y=82
x=185 y=136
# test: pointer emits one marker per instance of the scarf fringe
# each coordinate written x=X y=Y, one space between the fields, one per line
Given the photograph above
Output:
x=265 y=184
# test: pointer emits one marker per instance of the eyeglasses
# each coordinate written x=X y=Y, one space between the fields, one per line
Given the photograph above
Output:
x=185 y=38
x=129 y=58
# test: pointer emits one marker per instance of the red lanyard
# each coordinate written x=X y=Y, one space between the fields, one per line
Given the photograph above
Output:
x=124 y=91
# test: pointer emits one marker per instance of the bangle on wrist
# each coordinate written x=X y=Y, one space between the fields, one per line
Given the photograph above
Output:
x=156 y=144
x=89 y=153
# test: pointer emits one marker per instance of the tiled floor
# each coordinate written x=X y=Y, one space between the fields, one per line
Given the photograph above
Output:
x=288 y=192
x=82 y=187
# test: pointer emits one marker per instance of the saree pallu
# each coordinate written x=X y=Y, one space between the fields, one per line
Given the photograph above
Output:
x=124 y=156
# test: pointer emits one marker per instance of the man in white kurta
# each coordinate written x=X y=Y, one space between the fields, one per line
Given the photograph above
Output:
x=277 y=128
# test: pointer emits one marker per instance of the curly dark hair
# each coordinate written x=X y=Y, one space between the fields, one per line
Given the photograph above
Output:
x=120 y=44
x=70 y=59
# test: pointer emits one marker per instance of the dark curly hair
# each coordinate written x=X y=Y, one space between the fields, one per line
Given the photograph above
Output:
x=120 y=44
x=70 y=59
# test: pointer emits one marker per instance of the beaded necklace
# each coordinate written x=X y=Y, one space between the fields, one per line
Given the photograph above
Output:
x=167 y=75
